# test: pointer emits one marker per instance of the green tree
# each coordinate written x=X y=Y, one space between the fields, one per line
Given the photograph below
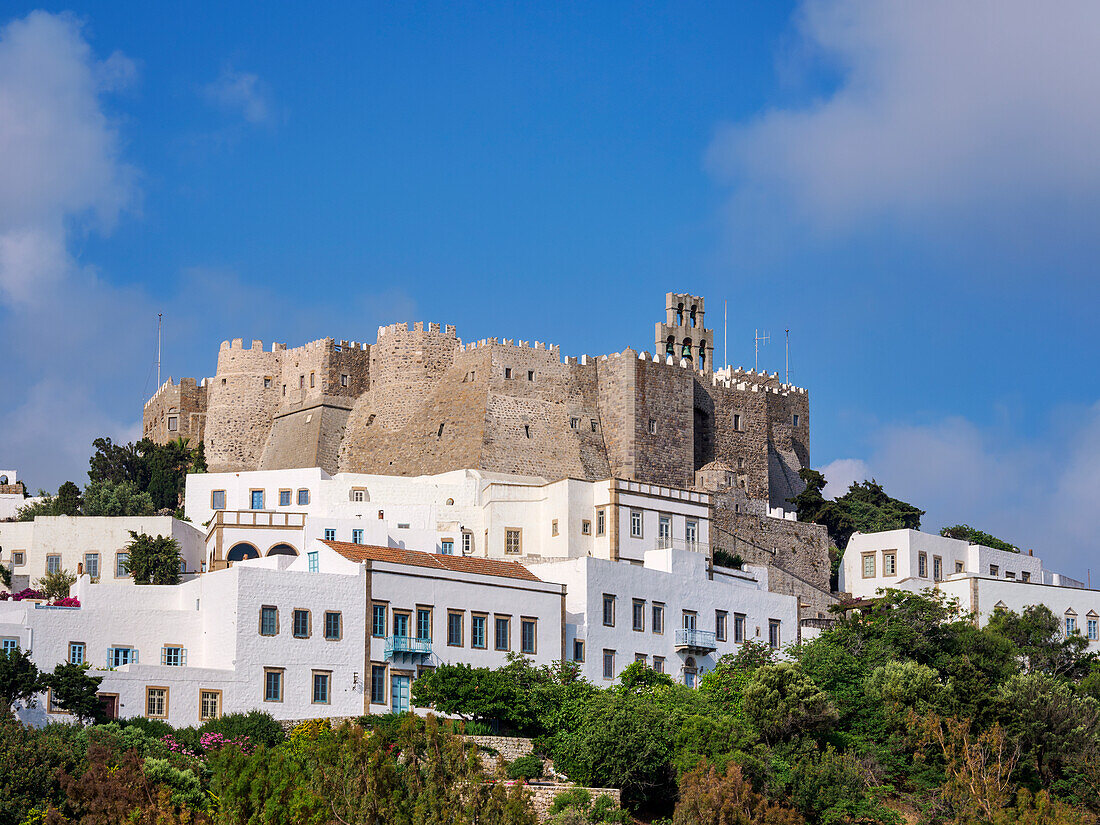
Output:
x=1037 y=632
x=865 y=508
x=968 y=533
x=710 y=798
x=637 y=677
x=68 y=500
x=20 y=680
x=5 y=576
x=117 y=498
x=781 y=700
x=153 y=559
x=56 y=585
x=74 y=689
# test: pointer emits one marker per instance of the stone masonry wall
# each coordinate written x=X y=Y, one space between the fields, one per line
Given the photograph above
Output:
x=242 y=401
x=186 y=401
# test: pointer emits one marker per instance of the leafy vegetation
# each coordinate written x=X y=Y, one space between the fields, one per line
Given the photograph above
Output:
x=968 y=533
x=153 y=559
x=865 y=508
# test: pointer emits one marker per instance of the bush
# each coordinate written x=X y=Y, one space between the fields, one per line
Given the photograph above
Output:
x=55 y=586
x=153 y=728
x=526 y=767
x=258 y=726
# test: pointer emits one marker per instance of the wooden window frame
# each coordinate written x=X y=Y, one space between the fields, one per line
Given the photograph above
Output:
x=385 y=684
x=937 y=561
x=282 y=683
x=83 y=656
x=53 y=556
x=431 y=621
x=534 y=623
x=461 y=614
x=224 y=500
x=339 y=623
x=603 y=664
x=922 y=565
x=385 y=619
x=893 y=555
x=263 y=493
x=519 y=531
x=50 y=706
x=408 y=614
x=298 y=497
x=635 y=604
x=603 y=609
x=167 y=694
x=740 y=626
x=309 y=623
x=164 y=648
x=586 y=527
x=118 y=553
x=661 y=667
x=289 y=496
x=313 y=687
x=474 y=616
x=507 y=619
x=18 y=558
x=721 y=625
x=657 y=628
x=575 y=649
x=98 y=566
x=220 y=697
x=601 y=521
x=874 y=564
x=261 y=620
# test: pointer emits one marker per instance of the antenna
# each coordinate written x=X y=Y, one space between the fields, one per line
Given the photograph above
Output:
x=760 y=339
x=160 y=316
x=725 y=332
x=787 y=370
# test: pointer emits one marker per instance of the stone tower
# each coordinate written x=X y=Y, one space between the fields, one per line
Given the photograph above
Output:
x=682 y=334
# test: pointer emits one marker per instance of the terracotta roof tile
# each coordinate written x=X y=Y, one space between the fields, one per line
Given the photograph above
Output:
x=457 y=564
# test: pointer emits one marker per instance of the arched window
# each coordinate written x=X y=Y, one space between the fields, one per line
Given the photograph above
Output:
x=282 y=549
x=685 y=352
x=242 y=551
x=3 y=479
x=680 y=314
x=670 y=346
x=693 y=316
x=702 y=355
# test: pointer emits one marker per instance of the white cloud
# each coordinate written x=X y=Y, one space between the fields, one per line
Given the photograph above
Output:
x=943 y=109
x=842 y=474
x=241 y=93
x=1038 y=492
x=59 y=152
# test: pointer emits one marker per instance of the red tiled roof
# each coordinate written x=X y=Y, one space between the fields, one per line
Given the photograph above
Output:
x=458 y=564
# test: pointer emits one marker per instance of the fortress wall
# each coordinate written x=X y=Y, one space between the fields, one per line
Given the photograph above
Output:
x=404 y=368
x=615 y=386
x=743 y=447
x=187 y=401
x=665 y=394
x=307 y=437
x=240 y=408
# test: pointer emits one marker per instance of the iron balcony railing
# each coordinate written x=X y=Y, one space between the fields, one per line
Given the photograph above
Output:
x=696 y=639
x=407 y=646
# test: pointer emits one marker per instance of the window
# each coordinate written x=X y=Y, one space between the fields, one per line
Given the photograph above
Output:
x=513 y=541
x=737 y=421
x=658 y=664
x=9 y=645
x=503 y=633
x=574 y=423
x=91 y=564
x=454 y=629
x=303 y=498
x=378 y=684
x=1071 y=625
x=217 y=499
x=343 y=379
x=937 y=568
x=690 y=619
x=578 y=650
x=267 y=383
x=53 y=563
x=273 y=684
x=638 y=614
x=738 y=628
x=378 y=621
x=77 y=651
x=890 y=564
x=358 y=496
x=357 y=535
x=794 y=420
x=284 y=498
x=528 y=636
x=257 y=499
x=594 y=426
x=586 y=527
x=609 y=664
x=635 y=524
x=467 y=543
x=1009 y=574
x=641 y=657
x=122 y=565
x=156 y=702
x=527 y=430
x=691 y=674
x=664 y=532
x=1092 y=629
x=301 y=624
x=507 y=372
x=330 y=534
x=477 y=631
x=17 y=558
x=658 y=623
x=868 y=565
x=312 y=380
x=720 y=617
x=447 y=547
x=173 y=656
x=1025 y=576
x=691 y=534
x=173 y=423
x=423 y=623
x=922 y=565
x=530 y=375
x=958 y=567
x=554 y=527
x=608 y=610
x=774 y=637
x=210 y=705
x=119 y=656
x=314 y=561
x=320 y=687
x=269 y=620
x=994 y=570
x=334 y=629
x=601 y=522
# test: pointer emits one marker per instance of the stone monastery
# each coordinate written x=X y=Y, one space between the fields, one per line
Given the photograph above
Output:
x=419 y=402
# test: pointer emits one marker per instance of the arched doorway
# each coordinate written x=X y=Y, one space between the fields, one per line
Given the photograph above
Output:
x=242 y=551
x=282 y=549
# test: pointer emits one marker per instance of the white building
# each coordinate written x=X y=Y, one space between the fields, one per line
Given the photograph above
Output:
x=669 y=612
x=465 y=512
x=11 y=494
x=981 y=578
x=290 y=635
x=95 y=545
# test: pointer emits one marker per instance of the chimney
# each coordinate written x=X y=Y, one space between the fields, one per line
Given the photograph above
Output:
x=1030 y=551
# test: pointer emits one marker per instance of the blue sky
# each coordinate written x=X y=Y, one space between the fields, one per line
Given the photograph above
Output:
x=911 y=189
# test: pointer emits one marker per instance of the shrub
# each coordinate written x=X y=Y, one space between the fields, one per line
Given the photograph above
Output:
x=259 y=727
x=709 y=798
x=153 y=728
x=526 y=767
x=55 y=586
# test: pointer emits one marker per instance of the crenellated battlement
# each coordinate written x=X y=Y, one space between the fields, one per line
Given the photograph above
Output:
x=418 y=326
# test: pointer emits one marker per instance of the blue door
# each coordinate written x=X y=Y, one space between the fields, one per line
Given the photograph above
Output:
x=399 y=694
x=257 y=499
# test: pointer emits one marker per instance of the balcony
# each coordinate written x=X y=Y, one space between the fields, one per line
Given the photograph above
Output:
x=665 y=543
x=406 y=648
x=695 y=641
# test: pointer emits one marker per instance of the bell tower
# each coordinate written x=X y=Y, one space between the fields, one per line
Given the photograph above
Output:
x=683 y=335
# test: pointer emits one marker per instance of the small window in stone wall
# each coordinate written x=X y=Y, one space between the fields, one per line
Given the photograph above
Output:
x=737 y=421
x=507 y=372
x=530 y=375
x=527 y=430
x=594 y=425
x=343 y=380
x=267 y=383
x=439 y=434
x=173 y=423
x=301 y=382
x=794 y=420
x=574 y=423
x=653 y=426
x=586 y=527
x=312 y=380
x=223 y=382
